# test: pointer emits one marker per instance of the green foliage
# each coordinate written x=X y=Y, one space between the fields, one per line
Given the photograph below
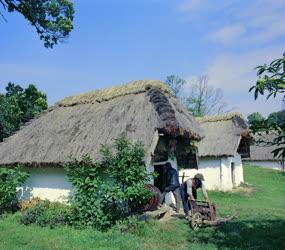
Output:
x=274 y=120
x=51 y=18
x=46 y=213
x=277 y=118
x=271 y=79
x=271 y=82
x=254 y=118
x=112 y=189
x=175 y=83
x=10 y=116
x=10 y=179
x=18 y=106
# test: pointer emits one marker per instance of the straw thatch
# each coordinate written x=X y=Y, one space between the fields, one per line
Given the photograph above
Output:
x=261 y=150
x=107 y=94
x=223 y=135
x=79 y=125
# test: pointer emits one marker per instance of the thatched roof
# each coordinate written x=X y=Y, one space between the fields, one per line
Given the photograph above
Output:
x=223 y=134
x=261 y=150
x=78 y=125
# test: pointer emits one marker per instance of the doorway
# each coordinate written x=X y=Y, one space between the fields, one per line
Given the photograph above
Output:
x=233 y=173
x=160 y=180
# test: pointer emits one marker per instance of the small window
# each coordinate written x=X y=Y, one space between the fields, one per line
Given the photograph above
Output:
x=189 y=161
x=233 y=173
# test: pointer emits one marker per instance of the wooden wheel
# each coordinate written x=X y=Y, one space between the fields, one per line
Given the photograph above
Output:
x=154 y=200
x=196 y=221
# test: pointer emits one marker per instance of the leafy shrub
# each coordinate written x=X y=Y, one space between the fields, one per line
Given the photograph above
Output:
x=10 y=179
x=112 y=189
x=46 y=213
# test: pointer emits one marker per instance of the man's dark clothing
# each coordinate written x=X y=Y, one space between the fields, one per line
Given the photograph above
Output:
x=172 y=180
x=172 y=185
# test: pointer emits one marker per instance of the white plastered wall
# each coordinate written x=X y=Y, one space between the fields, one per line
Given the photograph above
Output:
x=216 y=171
x=53 y=184
x=46 y=183
x=276 y=165
x=210 y=168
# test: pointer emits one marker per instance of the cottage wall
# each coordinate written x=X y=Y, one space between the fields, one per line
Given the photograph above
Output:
x=46 y=183
x=53 y=184
x=276 y=165
x=216 y=171
x=210 y=168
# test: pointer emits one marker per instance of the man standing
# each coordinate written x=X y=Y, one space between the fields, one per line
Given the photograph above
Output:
x=189 y=191
x=172 y=185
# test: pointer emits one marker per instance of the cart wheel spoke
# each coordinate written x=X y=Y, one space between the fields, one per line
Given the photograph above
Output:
x=196 y=221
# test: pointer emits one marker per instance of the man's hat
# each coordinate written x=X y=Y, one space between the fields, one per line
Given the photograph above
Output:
x=199 y=176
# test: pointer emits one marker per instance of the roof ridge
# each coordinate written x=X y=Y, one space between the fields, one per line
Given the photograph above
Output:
x=220 y=117
x=106 y=94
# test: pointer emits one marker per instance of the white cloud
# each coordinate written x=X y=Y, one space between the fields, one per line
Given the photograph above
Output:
x=268 y=33
x=248 y=23
x=228 y=34
x=235 y=72
x=264 y=25
x=252 y=33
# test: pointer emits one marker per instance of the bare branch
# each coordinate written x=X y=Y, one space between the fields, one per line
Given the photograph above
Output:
x=205 y=99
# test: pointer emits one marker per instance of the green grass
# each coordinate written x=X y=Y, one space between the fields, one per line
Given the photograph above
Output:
x=260 y=225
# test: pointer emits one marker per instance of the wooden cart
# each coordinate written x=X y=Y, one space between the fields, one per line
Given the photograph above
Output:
x=204 y=213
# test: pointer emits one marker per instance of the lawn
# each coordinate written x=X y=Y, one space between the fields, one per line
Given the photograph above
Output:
x=260 y=206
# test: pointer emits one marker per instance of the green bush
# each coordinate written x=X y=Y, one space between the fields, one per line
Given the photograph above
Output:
x=112 y=189
x=46 y=213
x=10 y=179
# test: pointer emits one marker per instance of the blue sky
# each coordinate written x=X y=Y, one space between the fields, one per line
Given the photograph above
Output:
x=118 y=41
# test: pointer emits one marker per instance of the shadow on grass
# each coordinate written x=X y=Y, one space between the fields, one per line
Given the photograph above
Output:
x=282 y=173
x=263 y=234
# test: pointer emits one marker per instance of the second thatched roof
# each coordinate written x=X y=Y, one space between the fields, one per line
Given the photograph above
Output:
x=261 y=150
x=79 y=125
x=223 y=134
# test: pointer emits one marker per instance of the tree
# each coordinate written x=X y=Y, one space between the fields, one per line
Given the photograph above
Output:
x=10 y=116
x=254 y=118
x=18 y=106
x=204 y=99
x=175 y=83
x=51 y=18
x=277 y=117
x=271 y=79
x=271 y=82
x=31 y=101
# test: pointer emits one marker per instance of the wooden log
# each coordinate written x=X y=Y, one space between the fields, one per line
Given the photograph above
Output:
x=218 y=222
